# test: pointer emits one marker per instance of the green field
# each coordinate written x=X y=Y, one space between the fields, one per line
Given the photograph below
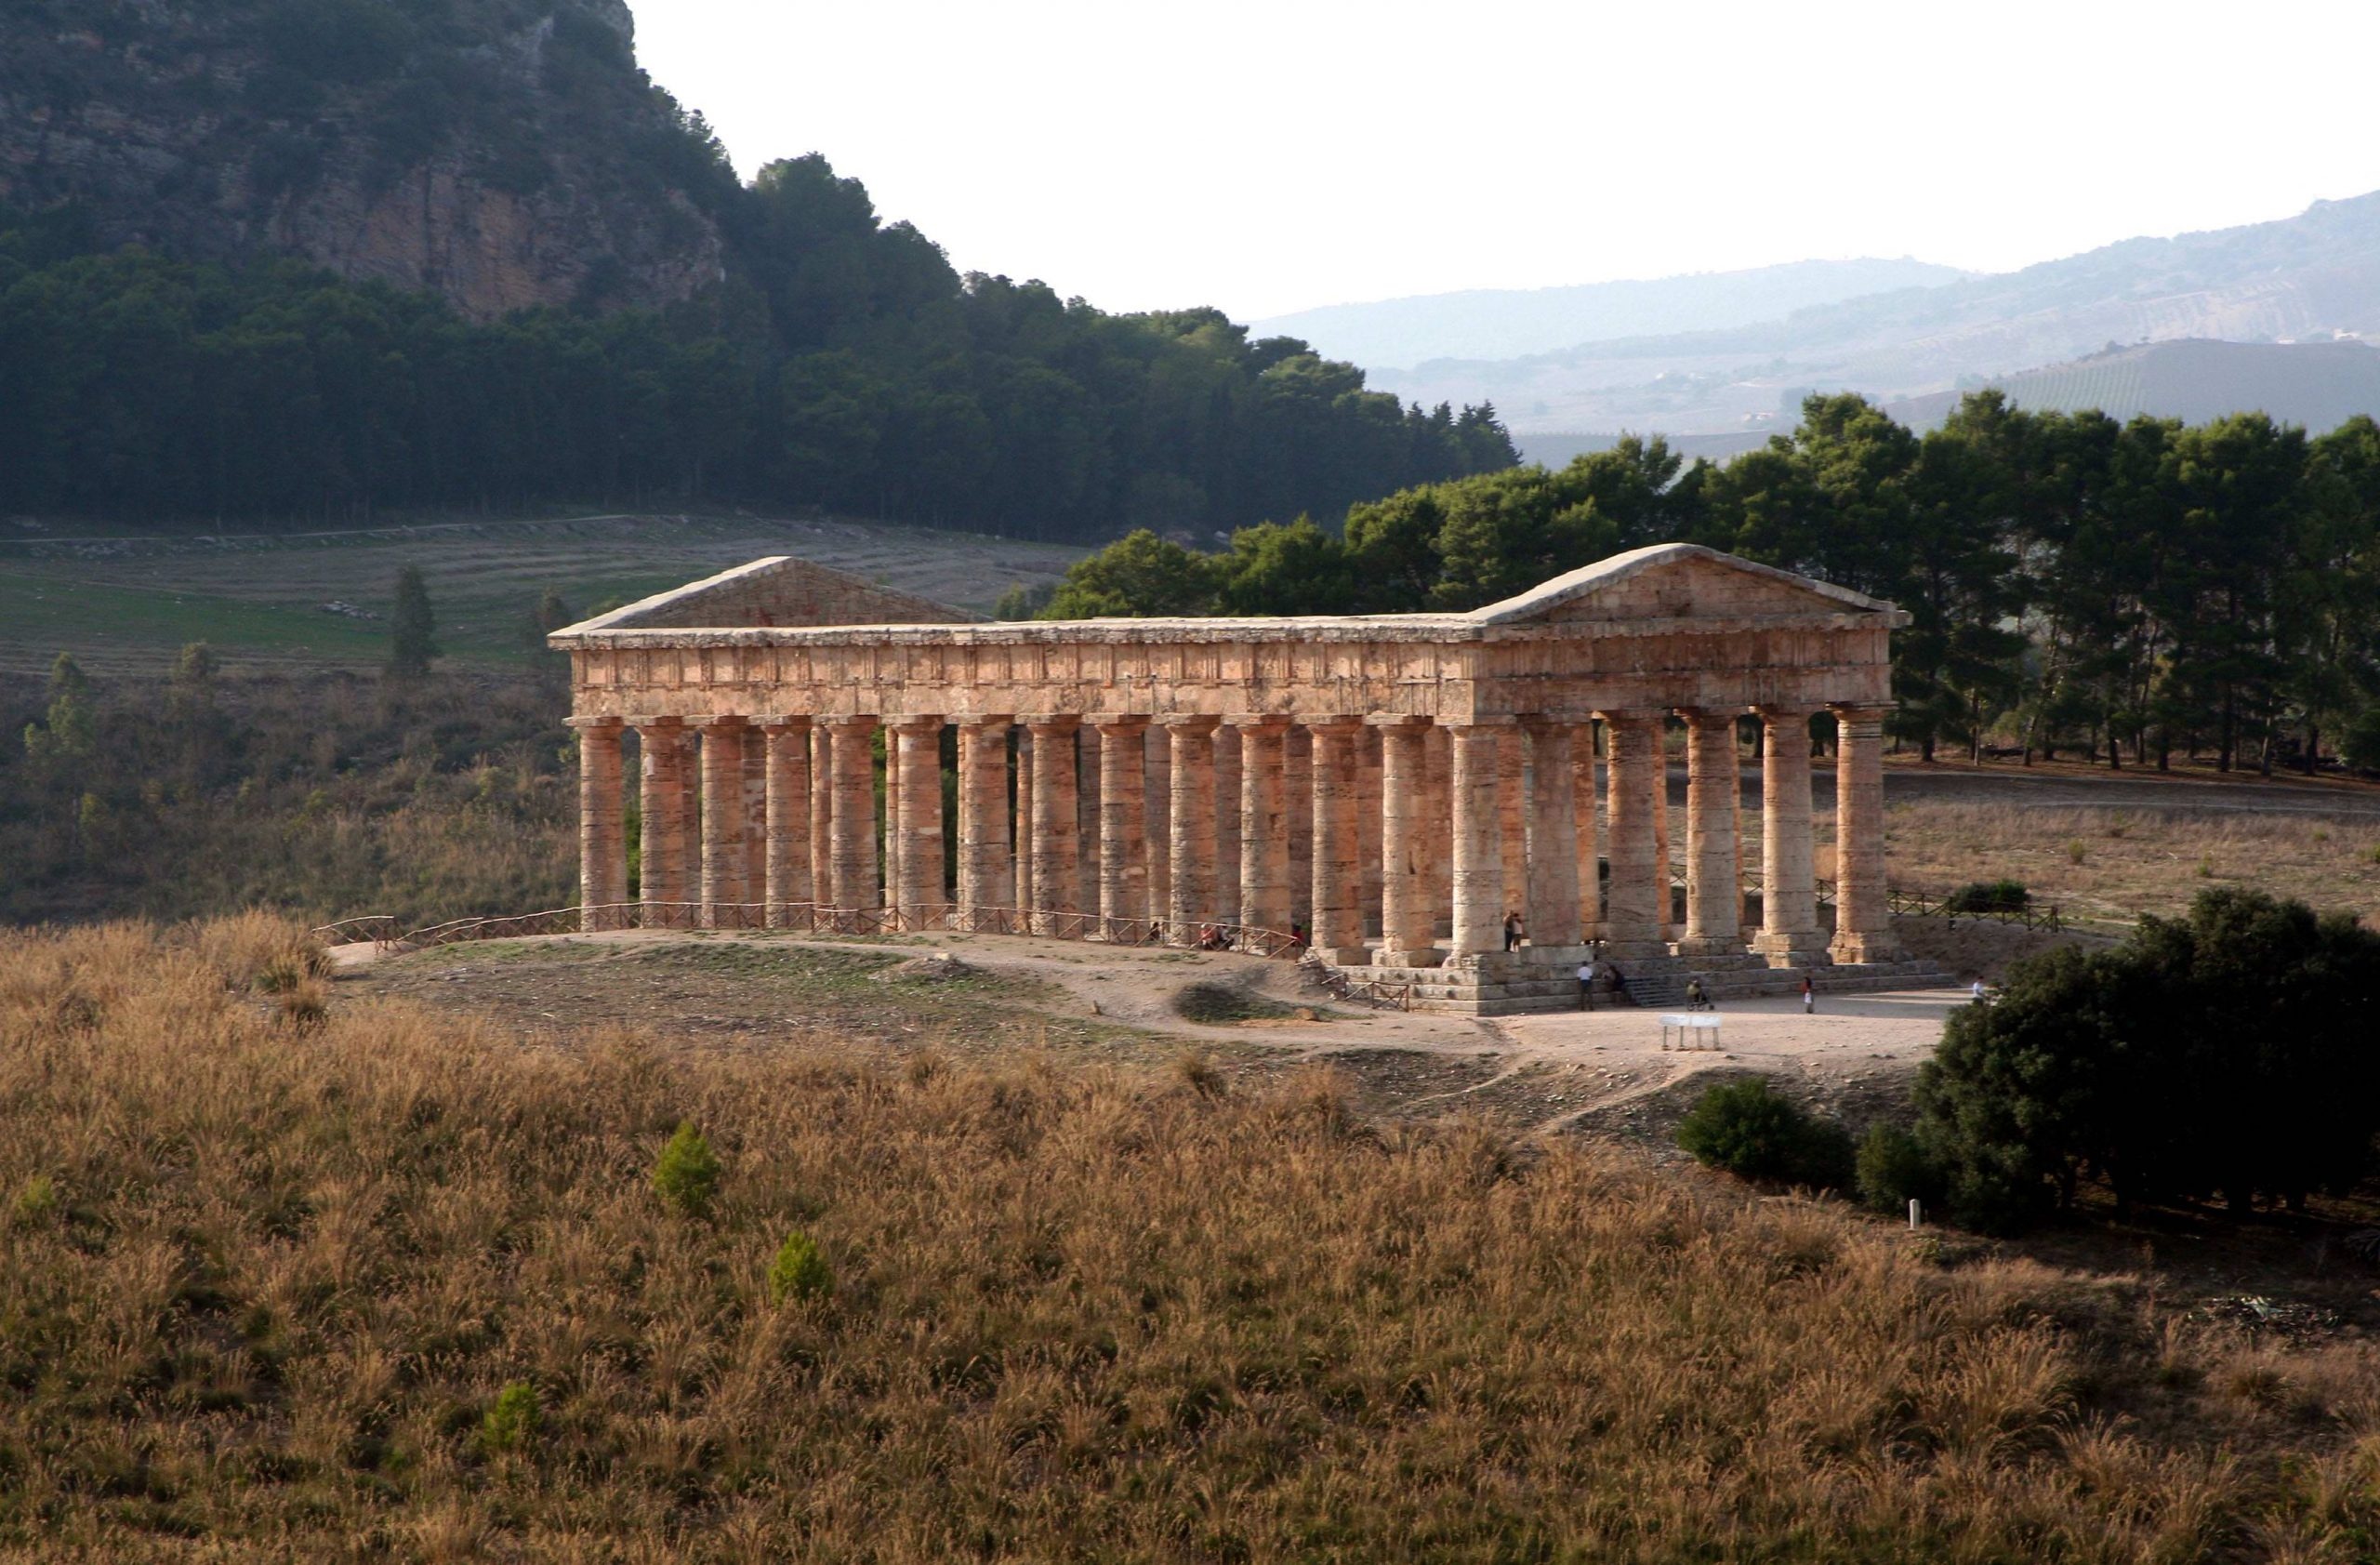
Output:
x=124 y=602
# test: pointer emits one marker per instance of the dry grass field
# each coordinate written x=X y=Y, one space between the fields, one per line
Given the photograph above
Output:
x=307 y=1278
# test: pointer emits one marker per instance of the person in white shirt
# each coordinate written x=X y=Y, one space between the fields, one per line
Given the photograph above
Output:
x=1978 y=991
x=1587 y=985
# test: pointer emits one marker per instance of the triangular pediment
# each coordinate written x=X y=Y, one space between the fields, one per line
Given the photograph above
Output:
x=1671 y=581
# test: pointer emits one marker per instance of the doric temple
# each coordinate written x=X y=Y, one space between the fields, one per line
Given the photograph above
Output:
x=1390 y=789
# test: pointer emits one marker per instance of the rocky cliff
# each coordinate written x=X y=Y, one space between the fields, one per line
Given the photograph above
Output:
x=502 y=152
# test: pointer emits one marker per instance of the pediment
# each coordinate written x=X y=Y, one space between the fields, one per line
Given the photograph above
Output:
x=1675 y=581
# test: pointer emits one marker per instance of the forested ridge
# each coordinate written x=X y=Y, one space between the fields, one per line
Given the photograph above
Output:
x=777 y=344
x=2131 y=591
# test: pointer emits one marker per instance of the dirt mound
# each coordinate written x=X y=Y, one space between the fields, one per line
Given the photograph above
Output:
x=940 y=967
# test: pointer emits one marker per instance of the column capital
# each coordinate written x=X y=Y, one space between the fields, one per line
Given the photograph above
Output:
x=1398 y=721
x=863 y=723
x=1257 y=719
x=1710 y=714
x=1117 y=721
x=1785 y=712
x=784 y=723
x=1631 y=714
x=1050 y=722
x=1334 y=728
x=1195 y=723
x=914 y=724
x=986 y=719
x=1862 y=712
x=584 y=724
x=641 y=723
x=729 y=719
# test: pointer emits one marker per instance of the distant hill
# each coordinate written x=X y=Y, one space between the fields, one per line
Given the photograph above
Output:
x=1508 y=323
x=2319 y=385
x=2309 y=277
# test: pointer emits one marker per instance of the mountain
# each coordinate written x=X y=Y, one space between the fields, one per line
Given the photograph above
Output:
x=1508 y=323
x=2318 y=385
x=2314 y=276
x=502 y=152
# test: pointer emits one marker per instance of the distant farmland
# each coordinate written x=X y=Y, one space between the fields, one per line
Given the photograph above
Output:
x=124 y=602
x=2318 y=385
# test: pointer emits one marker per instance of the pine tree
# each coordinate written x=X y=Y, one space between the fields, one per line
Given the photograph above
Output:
x=410 y=624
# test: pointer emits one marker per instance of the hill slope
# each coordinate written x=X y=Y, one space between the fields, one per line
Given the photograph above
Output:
x=2305 y=277
x=2319 y=385
x=1505 y=322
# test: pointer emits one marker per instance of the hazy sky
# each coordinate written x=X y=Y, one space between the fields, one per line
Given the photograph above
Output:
x=1264 y=157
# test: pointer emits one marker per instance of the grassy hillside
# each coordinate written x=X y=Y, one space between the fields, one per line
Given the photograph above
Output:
x=125 y=603
x=300 y=1280
x=2316 y=385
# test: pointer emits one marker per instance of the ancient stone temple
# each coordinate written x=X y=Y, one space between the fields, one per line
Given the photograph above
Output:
x=1394 y=791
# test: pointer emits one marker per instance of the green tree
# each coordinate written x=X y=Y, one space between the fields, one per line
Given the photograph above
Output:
x=1140 y=575
x=410 y=627
x=70 y=728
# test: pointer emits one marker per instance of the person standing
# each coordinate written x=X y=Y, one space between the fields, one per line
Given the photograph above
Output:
x=1978 y=991
x=1810 y=995
x=1587 y=984
x=1513 y=931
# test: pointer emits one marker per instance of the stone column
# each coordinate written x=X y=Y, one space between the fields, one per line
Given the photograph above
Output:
x=1552 y=863
x=1632 y=908
x=1587 y=822
x=1437 y=812
x=1021 y=867
x=1225 y=906
x=1265 y=899
x=822 y=815
x=1478 y=787
x=1863 y=918
x=722 y=821
x=661 y=856
x=1337 y=935
x=1055 y=855
x=984 y=871
x=1297 y=770
x=1367 y=818
x=1407 y=846
x=785 y=859
x=602 y=825
x=1192 y=808
x=1123 y=838
x=889 y=841
x=916 y=755
x=1713 y=898
x=1087 y=814
x=756 y=819
x=1789 y=931
x=1666 y=867
x=850 y=784
x=1156 y=820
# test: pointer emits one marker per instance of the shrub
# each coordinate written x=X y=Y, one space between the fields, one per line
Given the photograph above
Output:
x=37 y=1202
x=686 y=1175
x=799 y=1272
x=1894 y=1169
x=511 y=1420
x=1990 y=897
x=1744 y=1129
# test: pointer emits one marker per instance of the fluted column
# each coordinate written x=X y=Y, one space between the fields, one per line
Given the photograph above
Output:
x=1863 y=929
x=851 y=812
x=1552 y=863
x=1156 y=820
x=888 y=838
x=1367 y=818
x=822 y=815
x=1512 y=830
x=1336 y=799
x=755 y=886
x=984 y=869
x=1407 y=846
x=1665 y=867
x=1478 y=787
x=1055 y=855
x=602 y=823
x=916 y=753
x=1265 y=899
x=1714 y=900
x=661 y=856
x=1192 y=805
x=722 y=760
x=1437 y=814
x=1297 y=770
x=1587 y=823
x=785 y=779
x=1632 y=922
x=1123 y=836
x=1021 y=867
x=1788 y=931
x=1088 y=816
x=1225 y=906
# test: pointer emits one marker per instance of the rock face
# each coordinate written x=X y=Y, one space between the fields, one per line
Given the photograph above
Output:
x=502 y=152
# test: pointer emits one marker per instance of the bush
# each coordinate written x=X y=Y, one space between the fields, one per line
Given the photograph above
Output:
x=1743 y=1128
x=686 y=1176
x=1990 y=897
x=799 y=1272
x=1894 y=1169
x=512 y=1419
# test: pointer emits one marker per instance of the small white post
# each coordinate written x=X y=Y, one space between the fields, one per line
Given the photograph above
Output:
x=1914 y=1215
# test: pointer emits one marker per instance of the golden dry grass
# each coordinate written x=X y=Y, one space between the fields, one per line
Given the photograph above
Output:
x=2114 y=863
x=265 y=1281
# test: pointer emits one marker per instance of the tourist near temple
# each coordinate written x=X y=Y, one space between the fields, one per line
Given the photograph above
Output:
x=1390 y=789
